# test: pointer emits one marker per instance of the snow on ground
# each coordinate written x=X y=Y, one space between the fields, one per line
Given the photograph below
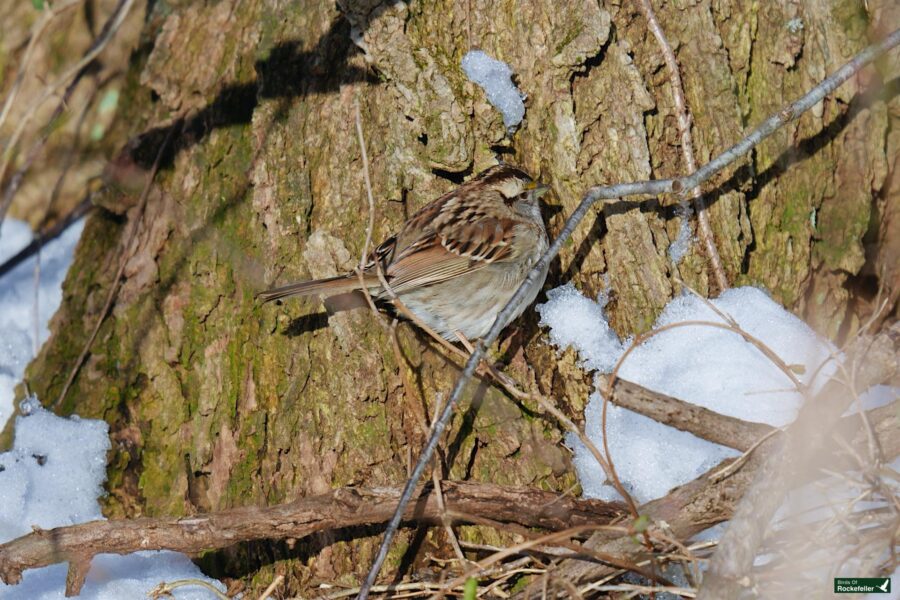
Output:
x=495 y=78
x=722 y=371
x=708 y=366
x=55 y=470
x=21 y=331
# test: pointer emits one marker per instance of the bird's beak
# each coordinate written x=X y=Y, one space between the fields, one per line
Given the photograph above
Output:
x=540 y=189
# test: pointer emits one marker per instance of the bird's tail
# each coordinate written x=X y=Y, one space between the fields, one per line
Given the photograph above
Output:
x=319 y=287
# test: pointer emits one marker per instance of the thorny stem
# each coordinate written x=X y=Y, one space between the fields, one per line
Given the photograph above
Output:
x=594 y=195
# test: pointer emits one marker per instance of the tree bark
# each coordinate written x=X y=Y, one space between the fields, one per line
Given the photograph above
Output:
x=215 y=401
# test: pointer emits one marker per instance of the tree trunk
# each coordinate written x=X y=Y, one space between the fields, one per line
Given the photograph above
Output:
x=215 y=401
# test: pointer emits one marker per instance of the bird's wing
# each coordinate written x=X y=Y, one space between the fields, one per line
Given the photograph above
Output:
x=449 y=237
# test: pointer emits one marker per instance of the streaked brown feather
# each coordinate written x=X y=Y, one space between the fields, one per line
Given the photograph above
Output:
x=455 y=235
x=322 y=287
x=427 y=265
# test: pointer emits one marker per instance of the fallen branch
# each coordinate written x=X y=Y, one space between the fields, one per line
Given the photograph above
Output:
x=702 y=422
x=344 y=507
x=689 y=509
x=594 y=195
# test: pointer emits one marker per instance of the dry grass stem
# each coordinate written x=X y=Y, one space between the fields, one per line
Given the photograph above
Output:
x=733 y=467
x=279 y=579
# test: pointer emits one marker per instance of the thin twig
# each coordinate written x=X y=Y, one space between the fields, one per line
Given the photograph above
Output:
x=445 y=519
x=49 y=13
x=576 y=551
x=593 y=196
x=687 y=145
x=390 y=329
x=365 y=158
x=69 y=80
x=272 y=587
x=164 y=589
x=127 y=252
x=510 y=386
x=485 y=563
x=732 y=468
x=753 y=340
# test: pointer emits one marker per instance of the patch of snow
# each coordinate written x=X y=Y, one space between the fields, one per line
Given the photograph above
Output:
x=495 y=78
x=581 y=323
x=708 y=366
x=55 y=470
x=21 y=331
x=51 y=477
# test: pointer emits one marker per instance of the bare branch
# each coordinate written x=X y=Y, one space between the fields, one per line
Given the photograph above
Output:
x=344 y=507
x=702 y=422
x=594 y=195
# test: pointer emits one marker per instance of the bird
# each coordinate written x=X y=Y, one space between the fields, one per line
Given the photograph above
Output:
x=457 y=261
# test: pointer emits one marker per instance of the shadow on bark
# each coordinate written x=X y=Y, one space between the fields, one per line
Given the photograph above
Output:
x=286 y=74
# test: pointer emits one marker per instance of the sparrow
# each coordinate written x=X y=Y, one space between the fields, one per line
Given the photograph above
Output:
x=458 y=260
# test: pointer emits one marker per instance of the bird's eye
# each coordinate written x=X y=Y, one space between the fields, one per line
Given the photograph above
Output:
x=521 y=197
